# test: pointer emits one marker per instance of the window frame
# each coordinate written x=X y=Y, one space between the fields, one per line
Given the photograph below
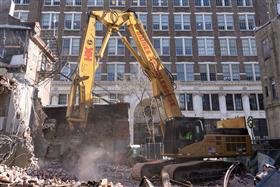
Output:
x=202 y=3
x=51 y=17
x=19 y=12
x=182 y=21
x=160 y=2
x=253 y=68
x=252 y=52
x=244 y=4
x=52 y=3
x=117 y=40
x=225 y=22
x=210 y=97
x=183 y=40
x=70 y=52
x=246 y=14
x=115 y=70
x=223 y=3
x=160 y=14
x=206 y=46
x=228 y=45
x=138 y=4
x=203 y=14
x=230 y=70
x=22 y=2
x=186 y=78
x=117 y=3
x=181 y=4
x=72 y=20
x=73 y=3
x=95 y=4
x=161 y=53
x=208 y=76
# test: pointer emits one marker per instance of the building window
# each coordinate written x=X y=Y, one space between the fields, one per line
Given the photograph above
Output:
x=117 y=2
x=225 y=22
x=115 y=71
x=202 y=2
x=185 y=72
x=223 y=2
x=210 y=102
x=98 y=43
x=260 y=101
x=205 y=46
x=273 y=88
x=207 y=72
x=52 y=2
x=72 y=21
x=138 y=3
x=203 y=22
x=234 y=102
x=73 y=2
x=162 y=45
x=252 y=72
x=266 y=49
x=228 y=47
x=21 y=2
x=160 y=3
x=62 y=99
x=231 y=72
x=181 y=2
x=182 y=22
x=116 y=47
x=95 y=3
x=183 y=46
x=97 y=76
x=134 y=70
x=21 y=14
x=70 y=46
x=49 y=20
x=67 y=71
x=246 y=21
x=186 y=102
x=249 y=46
x=143 y=19
x=160 y=21
x=256 y=102
x=244 y=3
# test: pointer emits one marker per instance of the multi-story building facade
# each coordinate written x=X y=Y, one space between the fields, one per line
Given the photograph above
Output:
x=267 y=37
x=207 y=45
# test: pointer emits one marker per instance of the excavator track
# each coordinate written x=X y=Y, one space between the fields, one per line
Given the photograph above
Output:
x=196 y=171
x=149 y=169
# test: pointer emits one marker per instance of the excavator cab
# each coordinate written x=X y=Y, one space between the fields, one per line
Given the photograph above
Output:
x=180 y=132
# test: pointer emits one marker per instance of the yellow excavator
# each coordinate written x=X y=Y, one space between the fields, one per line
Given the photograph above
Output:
x=185 y=139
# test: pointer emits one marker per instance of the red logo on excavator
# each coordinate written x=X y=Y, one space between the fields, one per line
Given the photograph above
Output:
x=88 y=54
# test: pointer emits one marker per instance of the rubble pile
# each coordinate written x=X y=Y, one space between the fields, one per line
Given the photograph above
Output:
x=54 y=175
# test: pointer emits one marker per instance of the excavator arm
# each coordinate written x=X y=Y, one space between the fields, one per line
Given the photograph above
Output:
x=148 y=59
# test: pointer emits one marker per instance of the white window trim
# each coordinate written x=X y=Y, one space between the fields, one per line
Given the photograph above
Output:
x=160 y=2
x=246 y=14
x=253 y=68
x=250 y=45
x=21 y=3
x=115 y=69
x=228 y=48
x=244 y=4
x=52 y=3
x=95 y=4
x=182 y=14
x=117 y=38
x=181 y=4
x=161 y=48
x=202 y=4
x=225 y=20
x=72 y=20
x=185 y=70
x=208 y=68
x=117 y=4
x=223 y=4
x=19 y=13
x=50 y=20
x=230 y=71
x=138 y=68
x=205 y=45
x=70 y=47
x=69 y=69
x=184 y=47
x=74 y=4
x=138 y=4
x=160 y=20
x=203 y=14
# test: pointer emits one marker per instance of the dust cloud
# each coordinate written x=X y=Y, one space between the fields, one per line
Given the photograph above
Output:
x=90 y=160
